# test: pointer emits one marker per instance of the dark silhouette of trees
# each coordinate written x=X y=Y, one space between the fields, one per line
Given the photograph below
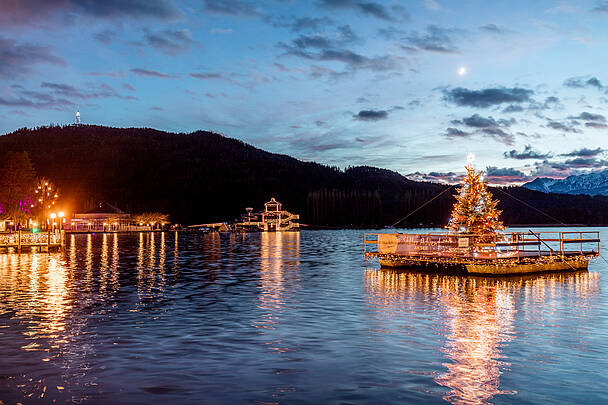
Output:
x=17 y=178
x=206 y=177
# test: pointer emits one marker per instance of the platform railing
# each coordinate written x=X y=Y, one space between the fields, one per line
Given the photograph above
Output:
x=27 y=239
x=508 y=244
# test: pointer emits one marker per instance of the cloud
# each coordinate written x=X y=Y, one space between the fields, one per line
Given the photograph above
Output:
x=477 y=121
x=495 y=29
x=128 y=87
x=601 y=7
x=527 y=153
x=505 y=176
x=331 y=47
x=151 y=73
x=391 y=33
x=206 y=76
x=487 y=97
x=170 y=42
x=596 y=125
x=27 y=11
x=584 y=152
x=583 y=81
x=339 y=39
x=221 y=31
x=452 y=132
x=435 y=39
x=37 y=101
x=59 y=96
x=16 y=60
x=486 y=126
x=504 y=173
x=392 y=13
x=300 y=24
x=513 y=108
x=232 y=7
x=431 y=5
x=436 y=177
x=108 y=74
x=586 y=116
x=105 y=37
x=103 y=90
x=559 y=126
x=589 y=163
x=371 y=115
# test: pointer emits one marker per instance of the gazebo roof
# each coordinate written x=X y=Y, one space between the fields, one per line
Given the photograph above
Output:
x=272 y=202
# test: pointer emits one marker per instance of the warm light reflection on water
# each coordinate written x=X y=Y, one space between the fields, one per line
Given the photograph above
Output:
x=287 y=318
x=279 y=254
x=476 y=318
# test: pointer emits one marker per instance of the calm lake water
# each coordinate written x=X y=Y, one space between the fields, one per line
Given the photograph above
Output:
x=290 y=318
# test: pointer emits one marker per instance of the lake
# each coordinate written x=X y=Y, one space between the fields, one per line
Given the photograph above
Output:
x=290 y=318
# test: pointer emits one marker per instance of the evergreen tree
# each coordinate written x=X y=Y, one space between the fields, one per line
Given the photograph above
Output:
x=475 y=210
x=16 y=185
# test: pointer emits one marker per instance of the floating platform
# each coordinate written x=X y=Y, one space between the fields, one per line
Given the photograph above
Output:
x=514 y=253
x=23 y=240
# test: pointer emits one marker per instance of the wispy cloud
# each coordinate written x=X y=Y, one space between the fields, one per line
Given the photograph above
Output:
x=17 y=59
x=170 y=42
x=151 y=73
x=28 y=11
x=583 y=81
x=433 y=39
x=391 y=13
x=232 y=7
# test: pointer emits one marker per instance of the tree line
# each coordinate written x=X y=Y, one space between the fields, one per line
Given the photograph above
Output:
x=206 y=177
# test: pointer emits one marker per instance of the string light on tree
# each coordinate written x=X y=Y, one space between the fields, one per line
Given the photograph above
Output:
x=475 y=209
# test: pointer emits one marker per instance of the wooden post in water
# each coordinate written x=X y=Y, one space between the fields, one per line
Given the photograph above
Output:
x=19 y=241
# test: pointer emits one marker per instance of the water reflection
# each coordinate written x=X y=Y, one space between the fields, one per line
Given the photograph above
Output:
x=279 y=257
x=476 y=317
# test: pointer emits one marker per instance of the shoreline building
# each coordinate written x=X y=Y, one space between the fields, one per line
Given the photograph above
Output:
x=103 y=217
x=272 y=219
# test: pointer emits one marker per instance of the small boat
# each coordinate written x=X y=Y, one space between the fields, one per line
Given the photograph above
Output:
x=476 y=244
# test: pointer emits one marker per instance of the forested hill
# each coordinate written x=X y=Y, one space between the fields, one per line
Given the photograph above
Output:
x=203 y=177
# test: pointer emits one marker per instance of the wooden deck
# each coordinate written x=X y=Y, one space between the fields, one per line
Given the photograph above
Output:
x=26 y=241
x=514 y=253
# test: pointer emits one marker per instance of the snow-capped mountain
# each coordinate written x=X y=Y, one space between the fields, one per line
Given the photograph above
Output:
x=590 y=184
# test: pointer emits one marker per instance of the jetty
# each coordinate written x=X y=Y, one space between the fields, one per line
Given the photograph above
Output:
x=25 y=240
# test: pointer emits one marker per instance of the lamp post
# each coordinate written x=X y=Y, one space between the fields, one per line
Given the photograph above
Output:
x=60 y=215
x=53 y=216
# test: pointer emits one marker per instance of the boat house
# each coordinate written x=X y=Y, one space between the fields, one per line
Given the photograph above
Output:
x=272 y=219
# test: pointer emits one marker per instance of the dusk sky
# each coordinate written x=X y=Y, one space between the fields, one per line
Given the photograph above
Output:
x=411 y=86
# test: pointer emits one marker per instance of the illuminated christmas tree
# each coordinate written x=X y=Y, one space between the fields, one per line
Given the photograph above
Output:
x=475 y=210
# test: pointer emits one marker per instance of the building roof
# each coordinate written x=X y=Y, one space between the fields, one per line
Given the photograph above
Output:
x=105 y=208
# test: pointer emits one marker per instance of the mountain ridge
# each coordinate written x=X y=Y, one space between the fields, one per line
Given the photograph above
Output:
x=207 y=177
x=592 y=184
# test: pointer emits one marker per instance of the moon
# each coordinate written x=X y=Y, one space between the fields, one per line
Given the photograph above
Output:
x=462 y=71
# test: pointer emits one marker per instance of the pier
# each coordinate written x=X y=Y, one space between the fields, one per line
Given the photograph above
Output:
x=20 y=241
